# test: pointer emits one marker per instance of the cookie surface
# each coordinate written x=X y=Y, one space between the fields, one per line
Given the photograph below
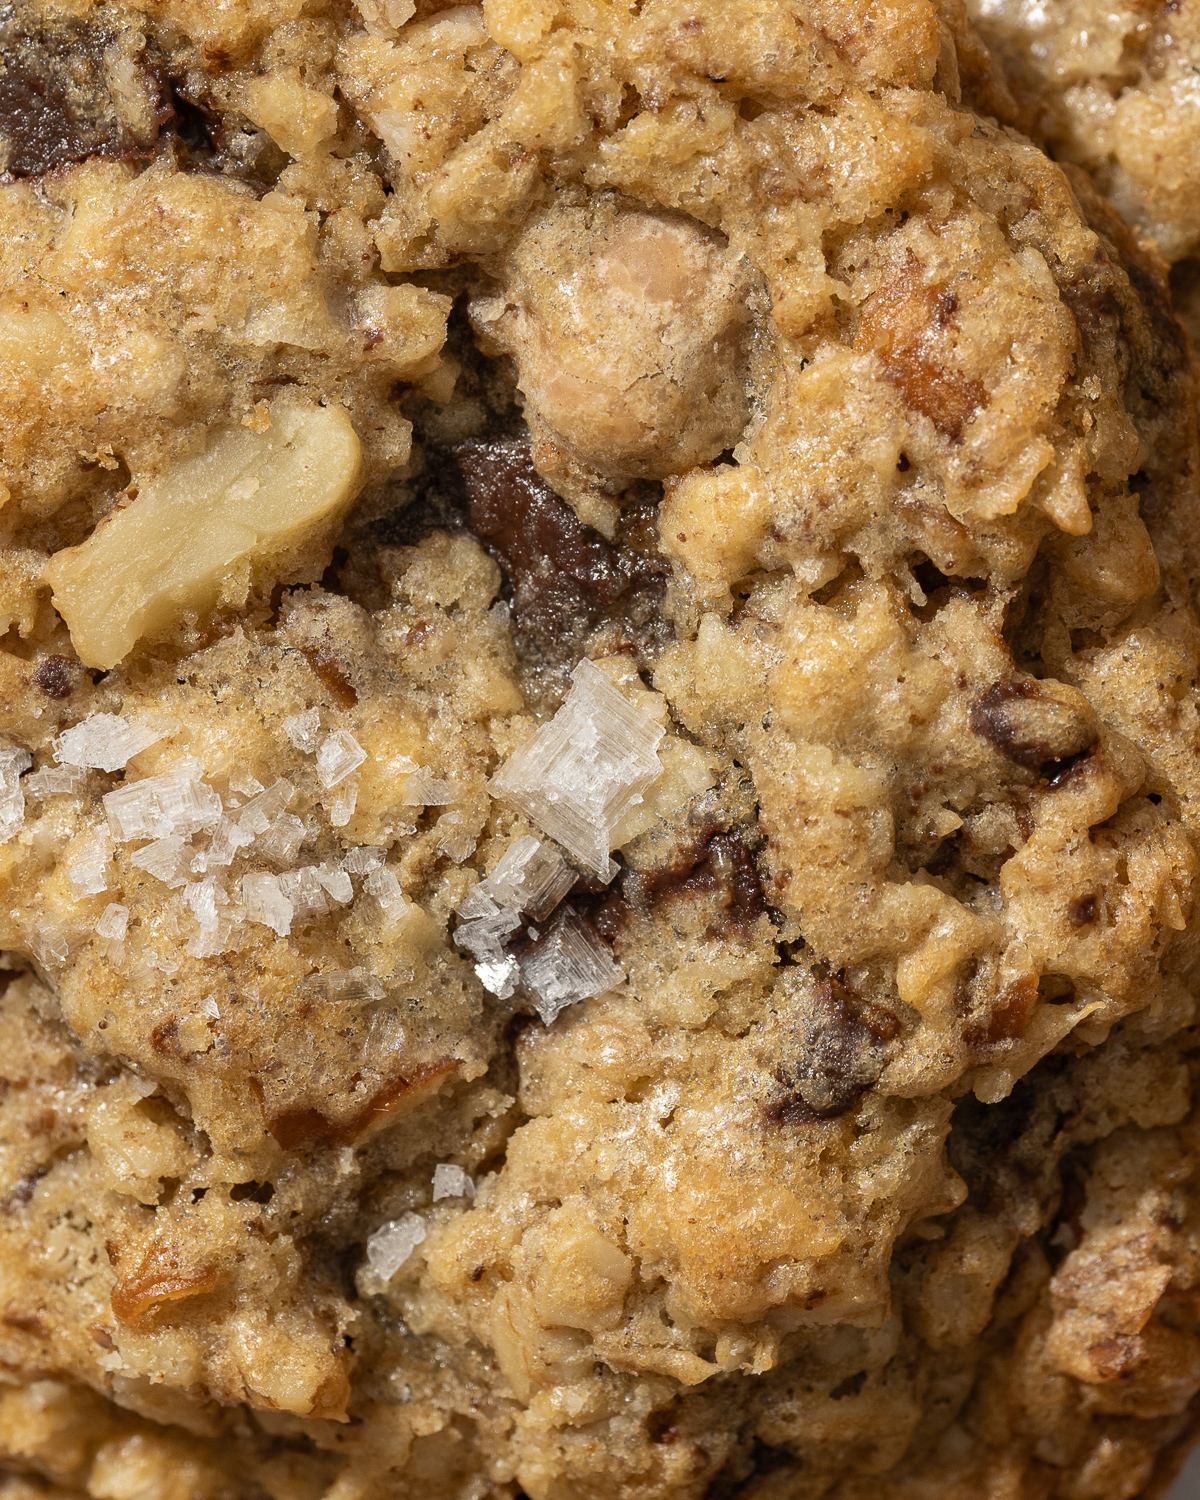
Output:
x=597 y=765
x=1109 y=88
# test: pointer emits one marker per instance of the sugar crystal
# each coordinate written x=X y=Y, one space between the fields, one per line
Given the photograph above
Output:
x=178 y=801
x=580 y=773
x=450 y=1181
x=108 y=741
x=391 y=1244
x=338 y=755
x=304 y=730
x=265 y=902
x=568 y=964
x=12 y=795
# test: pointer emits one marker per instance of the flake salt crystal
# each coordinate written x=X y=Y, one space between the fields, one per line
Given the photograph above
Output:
x=582 y=772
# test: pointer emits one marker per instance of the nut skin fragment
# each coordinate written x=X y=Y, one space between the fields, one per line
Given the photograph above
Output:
x=249 y=500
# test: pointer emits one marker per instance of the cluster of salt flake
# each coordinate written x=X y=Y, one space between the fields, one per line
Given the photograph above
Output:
x=176 y=802
x=108 y=742
x=12 y=797
x=570 y=963
x=583 y=771
x=530 y=879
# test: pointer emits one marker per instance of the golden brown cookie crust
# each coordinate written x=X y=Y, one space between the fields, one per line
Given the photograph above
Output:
x=704 y=438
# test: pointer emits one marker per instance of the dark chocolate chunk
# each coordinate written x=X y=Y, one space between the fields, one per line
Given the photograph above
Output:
x=1027 y=725
x=55 y=676
x=564 y=576
x=56 y=105
x=717 y=866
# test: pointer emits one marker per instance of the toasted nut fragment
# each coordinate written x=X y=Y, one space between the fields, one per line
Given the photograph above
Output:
x=248 y=497
x=162 y=1276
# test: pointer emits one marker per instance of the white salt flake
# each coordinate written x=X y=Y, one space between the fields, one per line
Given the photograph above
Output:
x=55 y=781
x=166 y=859
x=339 y=754
x=304 y=730
x=349 y=985
x=265 y=902
x=391 y=1244
x=341 y=802
x=579 y=774
x=383 y=885
x=303 y=889
x=568 y=964
x=455 y=840
x=531 y=877
x=87 y=874
x=243 y=785
x=178 y=801
x=450 y=1181
x=281 y=842
x=488 y=930
x=113 y=922
x=227 y=934
x=12 y=795
x=210 y=1008
x=263 y=808
x=363 y=858
x=423 y=789
x=107 y=742
x=202 y=896
x=336 y=882
x=228 y=837
x=501 y=976
x=50 y=942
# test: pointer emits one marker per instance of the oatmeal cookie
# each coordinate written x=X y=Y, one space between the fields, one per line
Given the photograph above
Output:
x=598 y=806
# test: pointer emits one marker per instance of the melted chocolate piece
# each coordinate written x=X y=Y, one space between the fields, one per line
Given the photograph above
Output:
x=841 y=1055
x=55 y=676
x=55 y=103
x=1031 y=728
x=717 y=866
